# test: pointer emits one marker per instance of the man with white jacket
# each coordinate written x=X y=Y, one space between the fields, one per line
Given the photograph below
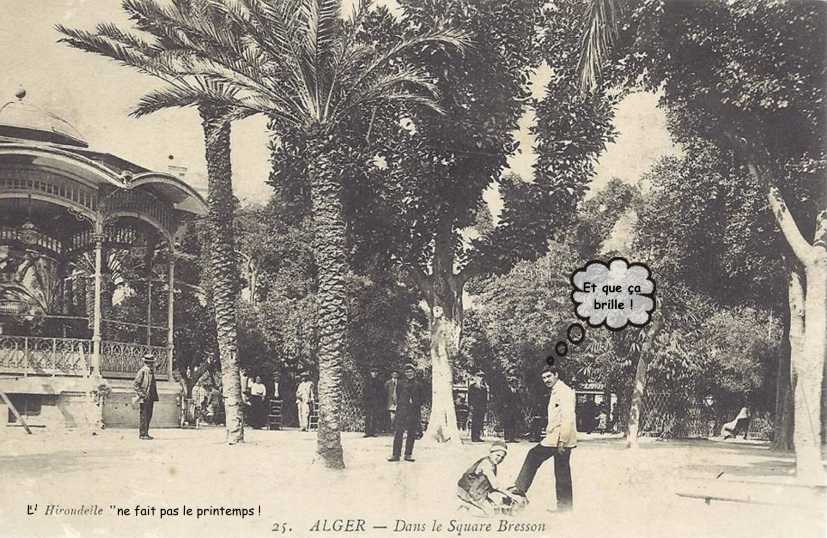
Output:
x=560 y=438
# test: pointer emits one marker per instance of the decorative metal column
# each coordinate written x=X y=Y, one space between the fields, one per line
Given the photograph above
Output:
x=149 y=309
x=170 y=315
x=97 y=237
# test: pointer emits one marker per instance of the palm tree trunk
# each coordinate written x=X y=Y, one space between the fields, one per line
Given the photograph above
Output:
x=223 y=263
x=331 y=259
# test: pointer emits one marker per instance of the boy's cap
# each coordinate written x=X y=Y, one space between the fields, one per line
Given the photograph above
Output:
x=498 y=446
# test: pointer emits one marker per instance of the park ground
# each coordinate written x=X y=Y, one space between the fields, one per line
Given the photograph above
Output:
x=617 y=492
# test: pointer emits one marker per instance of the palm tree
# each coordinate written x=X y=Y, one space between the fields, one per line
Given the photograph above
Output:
x=603 y=18
x=184 y=88
x=299 y=64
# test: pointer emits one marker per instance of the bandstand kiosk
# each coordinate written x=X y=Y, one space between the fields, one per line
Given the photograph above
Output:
x=87 y=239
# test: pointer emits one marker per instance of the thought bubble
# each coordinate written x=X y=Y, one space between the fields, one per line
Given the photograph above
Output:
x=614 y=295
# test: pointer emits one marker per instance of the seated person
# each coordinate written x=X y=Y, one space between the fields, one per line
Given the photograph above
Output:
x=477 y=487
x=740 y=424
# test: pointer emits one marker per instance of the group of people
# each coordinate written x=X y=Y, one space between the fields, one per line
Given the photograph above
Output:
x=396 y=402
x=381 y=400
x=256 y=398
x=479 y=488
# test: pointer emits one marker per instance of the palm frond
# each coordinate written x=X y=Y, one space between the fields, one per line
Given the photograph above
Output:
x=456 y=39
x=104 y=46
x=184 y=93
x=601 y=31
x=407 y=81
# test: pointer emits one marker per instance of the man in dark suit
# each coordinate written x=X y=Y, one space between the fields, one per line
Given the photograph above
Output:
x=478 y=403
x=374 y=402
x=146 y=392
x=409 y=397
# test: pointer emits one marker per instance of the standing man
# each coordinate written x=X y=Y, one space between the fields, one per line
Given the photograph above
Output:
x=512 y=414
x=374 y=398
x=258 y=399
x=390 y=391
x=409 y=396
x=146 y=392
x=304 y=401
x=477 y=402
x=560 y=438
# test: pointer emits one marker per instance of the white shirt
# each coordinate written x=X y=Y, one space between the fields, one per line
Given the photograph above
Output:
x=304 y=392
x=258 y=389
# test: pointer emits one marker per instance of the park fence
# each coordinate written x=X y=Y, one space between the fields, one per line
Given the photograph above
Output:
x=667 y=416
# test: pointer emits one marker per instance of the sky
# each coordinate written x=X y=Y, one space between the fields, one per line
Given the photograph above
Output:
x=95 y=95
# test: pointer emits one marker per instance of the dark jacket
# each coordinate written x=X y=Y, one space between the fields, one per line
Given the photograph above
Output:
x=145 y=385
x=374 y=393
x=477 y=397
x=409 y=399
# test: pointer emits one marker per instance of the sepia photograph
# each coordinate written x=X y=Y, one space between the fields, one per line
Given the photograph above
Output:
x=413 y=268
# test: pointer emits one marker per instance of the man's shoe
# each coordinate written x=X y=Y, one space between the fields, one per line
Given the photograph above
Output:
x=149 y=437
x=393 y=458
x=409 y=458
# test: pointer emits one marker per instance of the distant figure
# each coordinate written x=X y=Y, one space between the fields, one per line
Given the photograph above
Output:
x=390 y=391
x=602 y=420
x=461 y=409
x=407 y=423
x=258 y=403
x=374 y=402
x=276 y=393
x=477 y=403
x=478 y=486
x=146 y=394
x=304 y=401
x=512 y=415
x=560 y=438
x=740 y=424
x=215 y=403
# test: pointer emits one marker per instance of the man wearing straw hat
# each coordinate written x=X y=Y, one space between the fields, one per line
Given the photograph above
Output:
x=146 y=392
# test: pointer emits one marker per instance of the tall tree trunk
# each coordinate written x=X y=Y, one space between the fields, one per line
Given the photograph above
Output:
x=639 y=390
x=443 y=293
x=783 y=427
x=808 y=361
x=330 y=254
x=223 y=264
x=445 y=338
x=636 y=405
x=808 y=364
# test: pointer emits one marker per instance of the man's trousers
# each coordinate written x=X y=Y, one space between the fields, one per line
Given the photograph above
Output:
x=562 y=472
x=145 y=417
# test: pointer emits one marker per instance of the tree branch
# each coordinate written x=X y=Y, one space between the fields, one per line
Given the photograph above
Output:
x=422 y=281
x=786 y=222
x=800 y=247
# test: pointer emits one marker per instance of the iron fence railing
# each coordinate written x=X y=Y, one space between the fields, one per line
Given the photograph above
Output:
x=35 y=355
x=43 y=356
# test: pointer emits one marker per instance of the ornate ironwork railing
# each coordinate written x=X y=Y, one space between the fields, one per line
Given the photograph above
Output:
x=120 y=359
x=31 y=355
x=44 y=356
